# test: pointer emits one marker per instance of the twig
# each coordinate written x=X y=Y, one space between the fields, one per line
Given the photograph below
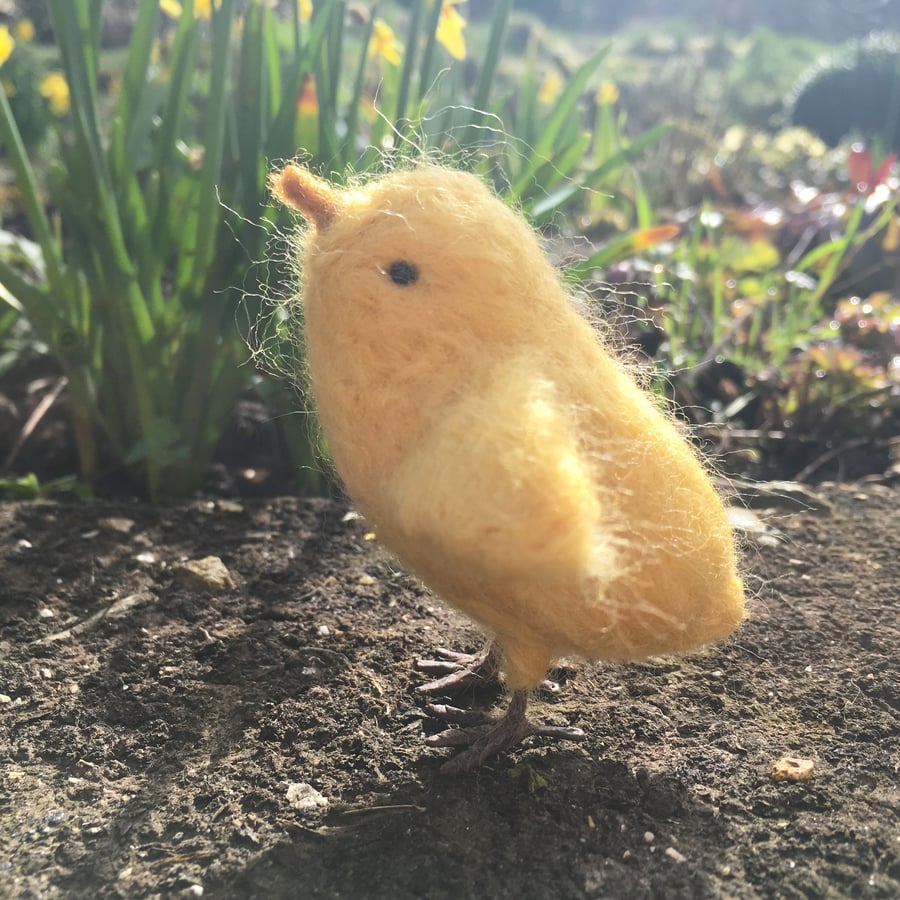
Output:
x=34 y=419
x=829 y=455
x=114 y=609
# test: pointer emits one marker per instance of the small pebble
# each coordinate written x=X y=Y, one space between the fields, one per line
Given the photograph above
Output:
x=114 y=523
x=209 y=573
x=792 y=768
x=305 y=797
x=649 y=837
x=366 y=579
x=45 y=613
x=673 y=854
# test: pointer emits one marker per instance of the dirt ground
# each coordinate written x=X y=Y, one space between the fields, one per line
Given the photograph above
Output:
x=162 y=734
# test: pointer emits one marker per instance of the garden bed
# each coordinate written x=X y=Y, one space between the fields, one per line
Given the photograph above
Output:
x=158 y=732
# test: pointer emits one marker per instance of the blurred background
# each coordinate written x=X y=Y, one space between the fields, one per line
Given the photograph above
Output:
x=719 y=188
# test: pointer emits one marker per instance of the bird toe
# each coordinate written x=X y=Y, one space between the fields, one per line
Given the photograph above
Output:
x=460 y=671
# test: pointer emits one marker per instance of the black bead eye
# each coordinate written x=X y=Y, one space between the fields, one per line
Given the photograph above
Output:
x=402 y=272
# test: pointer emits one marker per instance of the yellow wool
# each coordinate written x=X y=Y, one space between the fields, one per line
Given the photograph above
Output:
x=503 y=454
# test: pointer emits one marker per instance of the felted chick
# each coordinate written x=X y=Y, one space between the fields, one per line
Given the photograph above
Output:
x=502 y=453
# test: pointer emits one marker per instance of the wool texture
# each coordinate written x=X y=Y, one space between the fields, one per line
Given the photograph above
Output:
x=499 y=448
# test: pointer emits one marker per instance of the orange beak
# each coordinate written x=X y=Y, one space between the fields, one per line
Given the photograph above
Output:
x=313 y=197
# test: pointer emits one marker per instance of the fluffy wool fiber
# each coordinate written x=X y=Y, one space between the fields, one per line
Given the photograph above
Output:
x=502 y=453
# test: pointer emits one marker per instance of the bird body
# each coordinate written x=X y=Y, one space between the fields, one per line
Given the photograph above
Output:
x=481 y=424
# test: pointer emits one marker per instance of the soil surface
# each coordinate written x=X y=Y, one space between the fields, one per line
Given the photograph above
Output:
x=163 y=733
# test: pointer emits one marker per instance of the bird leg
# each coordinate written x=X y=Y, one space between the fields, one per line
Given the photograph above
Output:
x=464 y=671
x=486 y=736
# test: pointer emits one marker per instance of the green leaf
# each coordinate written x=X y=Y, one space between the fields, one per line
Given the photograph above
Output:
x=543 y=148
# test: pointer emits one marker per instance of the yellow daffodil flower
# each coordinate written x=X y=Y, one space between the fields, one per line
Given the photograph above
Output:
x=384 y=42
x=308 y=102
x=24 y=30
x=607 y=93
x=56 y=89
x=306 y=10
x=203 y=9
x=6 y=44
x=551 y=87
x=450 y=29
x=172 y=8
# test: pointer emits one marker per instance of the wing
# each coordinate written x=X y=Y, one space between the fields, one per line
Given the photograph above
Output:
x=499 y=483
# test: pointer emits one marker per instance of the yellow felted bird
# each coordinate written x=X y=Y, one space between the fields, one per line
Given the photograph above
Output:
x=501 y=451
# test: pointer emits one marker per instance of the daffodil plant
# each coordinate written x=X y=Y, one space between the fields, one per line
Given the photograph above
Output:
x=147 y=248
x=153 y=241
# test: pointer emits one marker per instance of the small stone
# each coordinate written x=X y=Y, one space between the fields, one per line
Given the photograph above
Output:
x=649 y=837
x=366 y=579
x=792 y=768
x=323 y=631
x=5 y=698
x=209 y=573
x=673 y=854
x=304 y=797
x=117 y=524
x=45 y=613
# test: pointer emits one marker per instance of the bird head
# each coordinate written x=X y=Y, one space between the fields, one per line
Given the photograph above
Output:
x=421 y=256
x=413 y=286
